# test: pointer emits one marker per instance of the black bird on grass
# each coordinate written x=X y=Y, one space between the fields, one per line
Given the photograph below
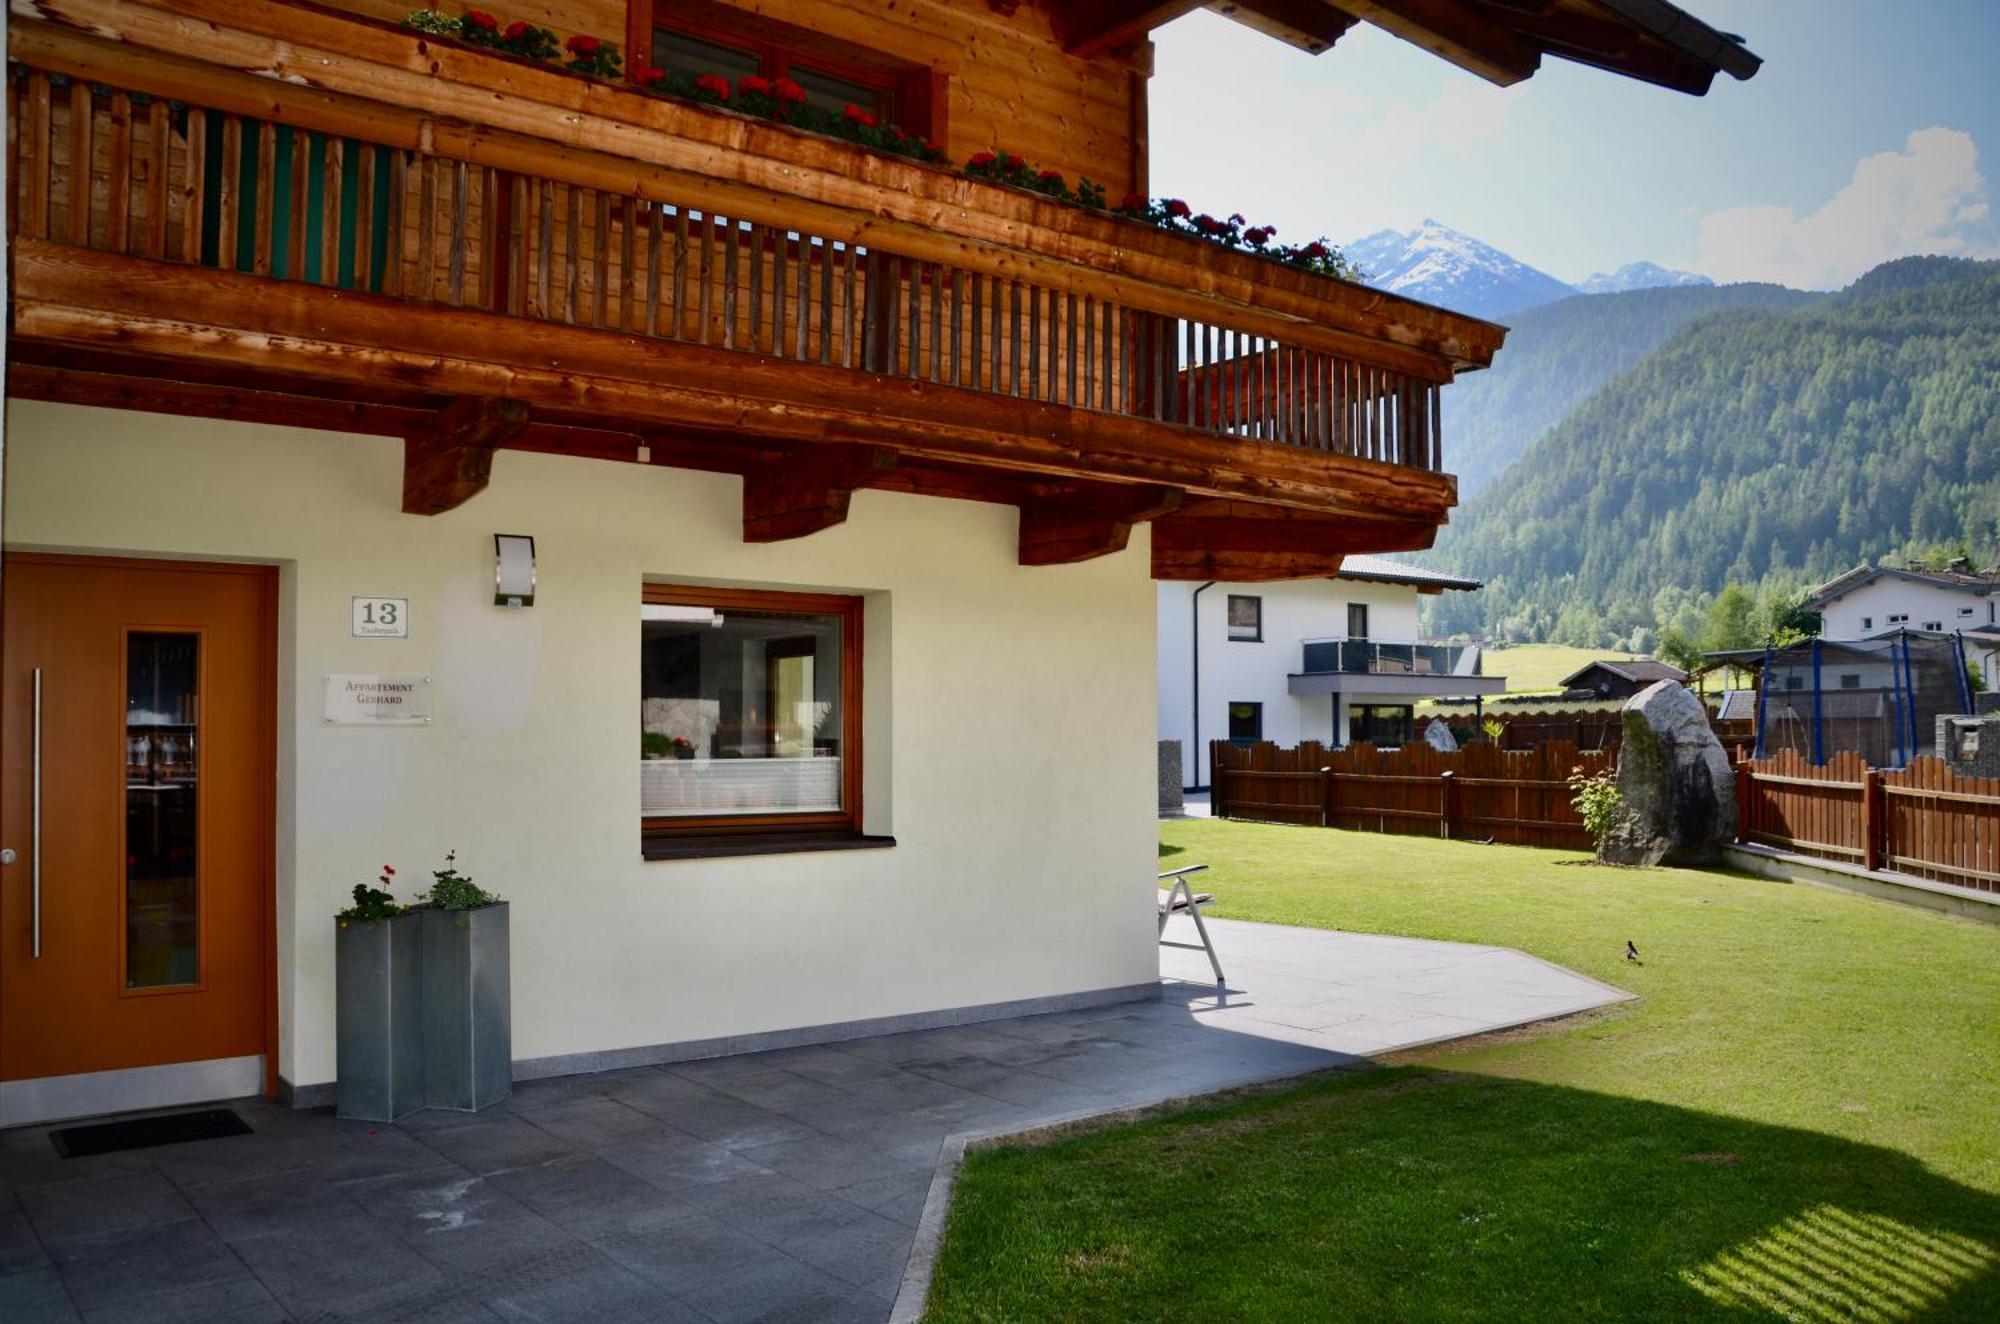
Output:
x=1631 y=952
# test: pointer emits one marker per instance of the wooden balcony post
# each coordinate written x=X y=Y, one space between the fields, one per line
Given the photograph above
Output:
x=1873 y=826
x=1745 y=782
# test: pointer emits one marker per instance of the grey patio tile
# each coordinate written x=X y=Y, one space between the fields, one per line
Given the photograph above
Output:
x=496 y=1145
x=709 y=1114
x=900 y=1197
x=20 y=1248
x=265 y=1206
x=35 y=1296
x=600 y=1291
x=689 y=1252
x=680 y=1161
x=416 y=1204
x=786 y=1291
x=27 y=1160
x=72 y=1210
x=343 y=1266
x=346 y=1153
x=170 y=1257
x=230 y=1158
x=594 y=1122
x=238 y=1301
x=827 y=1162
x=773 y=1089
x=584 y=1194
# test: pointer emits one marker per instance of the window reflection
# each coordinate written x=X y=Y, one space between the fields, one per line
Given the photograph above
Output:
x=162 y=782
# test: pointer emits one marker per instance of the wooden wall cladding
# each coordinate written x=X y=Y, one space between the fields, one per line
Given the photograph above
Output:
x=1012 y=87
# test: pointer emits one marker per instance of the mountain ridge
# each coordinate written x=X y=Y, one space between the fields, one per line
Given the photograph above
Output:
x=1439 y=265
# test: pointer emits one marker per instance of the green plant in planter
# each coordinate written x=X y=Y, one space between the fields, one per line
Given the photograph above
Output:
x=655 y=745
x=373 y=903
x=452 y=890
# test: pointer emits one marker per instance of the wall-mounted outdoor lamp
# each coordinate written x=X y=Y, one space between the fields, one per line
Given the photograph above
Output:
x=513 y=570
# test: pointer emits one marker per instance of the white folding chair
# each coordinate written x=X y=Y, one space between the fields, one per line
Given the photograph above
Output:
x=1180 y=897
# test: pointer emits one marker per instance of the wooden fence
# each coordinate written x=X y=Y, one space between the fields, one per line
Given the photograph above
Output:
x=1924 y=820
x=1480 y=793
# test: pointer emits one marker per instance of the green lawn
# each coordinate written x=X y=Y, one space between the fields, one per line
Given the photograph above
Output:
x=1798 y=1119
x=1535 y=668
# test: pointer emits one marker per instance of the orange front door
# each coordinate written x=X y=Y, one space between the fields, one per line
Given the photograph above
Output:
x=136 y=932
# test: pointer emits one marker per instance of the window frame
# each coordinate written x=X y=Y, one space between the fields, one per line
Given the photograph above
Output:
x=1229 y=627
x=1229 y=720
x=733 y=828
x=906 y=92
x=1358 y=611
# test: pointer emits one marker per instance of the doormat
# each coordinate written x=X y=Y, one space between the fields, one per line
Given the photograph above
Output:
x=147 y=1132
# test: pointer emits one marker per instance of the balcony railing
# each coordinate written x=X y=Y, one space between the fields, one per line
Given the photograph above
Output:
x=1374 y=657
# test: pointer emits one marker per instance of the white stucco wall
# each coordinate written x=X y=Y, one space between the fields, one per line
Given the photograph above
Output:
x=1924 y=603
x=1007 y=730
x=1239 y=672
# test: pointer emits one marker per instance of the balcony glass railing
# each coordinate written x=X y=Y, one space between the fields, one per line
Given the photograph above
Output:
x=1375 y=657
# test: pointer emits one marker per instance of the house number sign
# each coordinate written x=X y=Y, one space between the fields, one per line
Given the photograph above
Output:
x=378 y=700
x=381 y=618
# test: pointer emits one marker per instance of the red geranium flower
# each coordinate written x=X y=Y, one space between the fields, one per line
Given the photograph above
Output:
x=389 y=869
x=1014 y=162
x=1051 y=176
x=1132 y=202
x=751 y=85
x=1208 y=224
x=649 y=74
x=516 y=30
x=1258 y=236
x=482 y=20
x=980 y=160
x=582 y=44
x=854 y=114
x=788 y=91
x=1314 y=250
x=715 y=85
x=1176 y=208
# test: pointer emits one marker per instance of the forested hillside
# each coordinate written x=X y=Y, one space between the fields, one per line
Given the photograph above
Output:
x=1753 y=447
x=1560 y=354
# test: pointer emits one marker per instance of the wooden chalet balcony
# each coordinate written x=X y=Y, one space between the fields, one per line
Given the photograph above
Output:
x=274 y=211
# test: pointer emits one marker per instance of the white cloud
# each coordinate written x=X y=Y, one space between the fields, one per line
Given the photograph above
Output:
x=1927 y=198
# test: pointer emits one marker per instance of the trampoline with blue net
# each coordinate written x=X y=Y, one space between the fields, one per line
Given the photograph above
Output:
x=1879 y=698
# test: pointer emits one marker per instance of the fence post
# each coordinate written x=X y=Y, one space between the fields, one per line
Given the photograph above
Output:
x=1217 y=806
x=1448 y=811
x=1744 y=782
x=1871 y=819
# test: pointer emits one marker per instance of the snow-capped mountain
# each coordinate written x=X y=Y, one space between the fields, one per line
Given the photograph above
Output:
x=1638 y=276
x=1447 y=267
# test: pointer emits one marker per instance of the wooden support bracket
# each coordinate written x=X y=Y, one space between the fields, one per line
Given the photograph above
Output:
x=1076 y=522
x=808 y=489
x=447 y=462
x=1239 y=542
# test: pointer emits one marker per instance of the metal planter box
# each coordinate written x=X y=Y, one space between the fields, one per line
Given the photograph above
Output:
x=378 y=1018
x=467 y=1013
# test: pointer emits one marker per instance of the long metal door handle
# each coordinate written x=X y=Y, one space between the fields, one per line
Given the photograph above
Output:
x=35 y=822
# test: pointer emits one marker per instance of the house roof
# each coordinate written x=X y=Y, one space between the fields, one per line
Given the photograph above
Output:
x=1638 y=670
x=1503 y=41
x=1977 y=583
x=1381 y=570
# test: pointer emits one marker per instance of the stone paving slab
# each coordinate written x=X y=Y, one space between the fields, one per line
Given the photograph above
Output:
x=801 y=1184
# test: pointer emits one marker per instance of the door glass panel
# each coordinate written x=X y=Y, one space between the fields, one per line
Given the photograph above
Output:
x=162 y=671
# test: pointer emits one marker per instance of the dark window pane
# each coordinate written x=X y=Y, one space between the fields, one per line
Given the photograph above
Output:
x=678 y=53
x=1246 y=617
x=1246 y=721
x=161 y=784
x=1357 y=620
x=740 y=711
x=834 y=95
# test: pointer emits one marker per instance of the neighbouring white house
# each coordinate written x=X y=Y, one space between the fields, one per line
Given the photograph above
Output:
x=1338 y=660
x=1872 y=600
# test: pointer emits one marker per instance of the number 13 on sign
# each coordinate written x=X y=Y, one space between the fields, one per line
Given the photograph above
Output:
x=381 y=618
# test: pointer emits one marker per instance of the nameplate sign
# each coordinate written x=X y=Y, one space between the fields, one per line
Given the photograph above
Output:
x=378 y=700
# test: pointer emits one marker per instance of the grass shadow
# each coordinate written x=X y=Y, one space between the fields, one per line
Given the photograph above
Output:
x=1410 y=1193
x=1167 y=850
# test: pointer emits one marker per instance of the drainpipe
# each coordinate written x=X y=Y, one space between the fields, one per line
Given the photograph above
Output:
x=1194 y=656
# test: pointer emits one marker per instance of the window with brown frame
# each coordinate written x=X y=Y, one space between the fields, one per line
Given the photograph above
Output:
x=696 y=37
x=749 y=716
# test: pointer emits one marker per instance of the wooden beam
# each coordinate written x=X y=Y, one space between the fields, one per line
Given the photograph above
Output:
x=1077 y=522
x=1239 y=542
x=808 y=490
x=1454 y=31
x=1310 y=25
x=447 y=461
x=120 y=390
x=188 y=314
x=1090 y=28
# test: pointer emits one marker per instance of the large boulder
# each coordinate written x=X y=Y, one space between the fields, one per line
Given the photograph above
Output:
x=1676 y=780
x=1439 y=737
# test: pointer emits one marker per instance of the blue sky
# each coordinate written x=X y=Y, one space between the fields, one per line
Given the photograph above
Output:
x=1867 y=135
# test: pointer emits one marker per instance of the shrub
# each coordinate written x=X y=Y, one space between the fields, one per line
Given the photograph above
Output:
x=1596 y=797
